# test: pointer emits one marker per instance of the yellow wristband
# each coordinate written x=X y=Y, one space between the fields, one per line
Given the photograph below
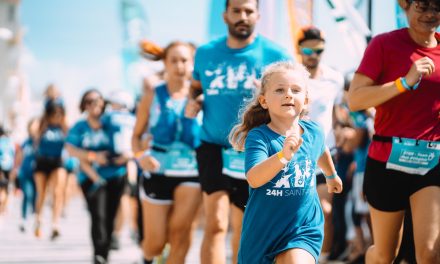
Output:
x=399 y=85
x=138 y=154
x=91 y=156
x=282 y=158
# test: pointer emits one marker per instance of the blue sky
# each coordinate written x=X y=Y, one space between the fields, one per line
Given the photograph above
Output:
x=77 y=44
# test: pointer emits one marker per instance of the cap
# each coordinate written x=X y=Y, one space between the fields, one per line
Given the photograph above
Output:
x=309 y=33
x=121 y=98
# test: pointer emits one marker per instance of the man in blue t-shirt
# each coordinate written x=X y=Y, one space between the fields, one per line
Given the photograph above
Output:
x=225 y=74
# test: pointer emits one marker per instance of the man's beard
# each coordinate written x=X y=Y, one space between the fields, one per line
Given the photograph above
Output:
x=240 y=34
x=312 y=66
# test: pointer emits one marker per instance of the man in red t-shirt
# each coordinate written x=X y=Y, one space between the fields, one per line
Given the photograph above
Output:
x=397 y=76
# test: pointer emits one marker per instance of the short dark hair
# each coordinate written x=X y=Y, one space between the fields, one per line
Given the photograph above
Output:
x=308 y=33
x=52 y=105
x=408 y=2
x=227 y=4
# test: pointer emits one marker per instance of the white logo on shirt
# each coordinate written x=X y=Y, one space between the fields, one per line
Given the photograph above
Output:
x=230 y=78
x=302 y=175
x=283 y=182
x=94 y=139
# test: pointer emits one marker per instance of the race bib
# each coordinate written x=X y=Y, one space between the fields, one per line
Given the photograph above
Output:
x=178 y=160
x=413 y=156
x=233 y=163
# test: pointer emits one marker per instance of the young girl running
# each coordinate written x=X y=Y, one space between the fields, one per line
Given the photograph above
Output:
x=283 y=220
x=48 y=163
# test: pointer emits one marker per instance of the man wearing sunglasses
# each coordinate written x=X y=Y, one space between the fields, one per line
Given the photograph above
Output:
x=325 y=91
x=399 y=77
x=423 y=6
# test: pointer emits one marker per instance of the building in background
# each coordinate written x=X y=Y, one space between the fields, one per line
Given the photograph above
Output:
x=14 y=96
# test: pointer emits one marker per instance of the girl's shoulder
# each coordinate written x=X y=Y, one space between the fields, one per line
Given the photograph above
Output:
x=310 y=124
x=262 y=133
x=81 y=124
x=311 y=128
x=260 y=130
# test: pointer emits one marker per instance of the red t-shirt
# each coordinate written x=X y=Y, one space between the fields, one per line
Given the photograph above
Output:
x=413 y=114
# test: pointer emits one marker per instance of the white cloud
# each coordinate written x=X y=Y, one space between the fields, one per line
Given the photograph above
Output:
x=72 y=80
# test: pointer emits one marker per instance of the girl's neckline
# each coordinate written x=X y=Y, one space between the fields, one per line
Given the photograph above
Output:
x=300 y=123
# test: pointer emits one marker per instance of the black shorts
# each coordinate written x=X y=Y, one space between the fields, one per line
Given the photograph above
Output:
x=389 y=190
x=212 y=179
x=131 y=189
x=4 y=178
x=47 y=165
x=159 y=189
x=320 y=178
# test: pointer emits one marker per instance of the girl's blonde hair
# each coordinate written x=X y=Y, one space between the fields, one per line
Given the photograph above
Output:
x=253 y=114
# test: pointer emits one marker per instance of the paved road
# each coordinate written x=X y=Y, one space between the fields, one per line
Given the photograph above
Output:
x=74 y=245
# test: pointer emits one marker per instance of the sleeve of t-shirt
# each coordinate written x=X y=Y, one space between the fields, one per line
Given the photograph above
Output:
x=285 y=56
x=321 y=138
x=196 y=71
x=73 y=136
x=256 y=149
x=371 y=64
x=340 y=92
x=281 y=54
x=359 y=120
x=23 y=145
x=105 y=119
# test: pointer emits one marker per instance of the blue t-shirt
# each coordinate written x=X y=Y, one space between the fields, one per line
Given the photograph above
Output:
x=227 y=76
x=81 y=135
x=120 y=125
x=28 y=162
x=360 y=154
x=7 y=153
x=51 y=142
x=284 y=213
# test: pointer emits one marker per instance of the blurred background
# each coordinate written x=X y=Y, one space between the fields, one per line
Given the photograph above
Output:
x=81 y=44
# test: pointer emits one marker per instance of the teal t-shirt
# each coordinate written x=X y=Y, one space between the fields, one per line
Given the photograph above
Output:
x=284 y=213
x=81 y=135
x=7 y=153
x=51 y=143
x=27 y=165
x=120 y=125
x=228 y=81
x=360 y=154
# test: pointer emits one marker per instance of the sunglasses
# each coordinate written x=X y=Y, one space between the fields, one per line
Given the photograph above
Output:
x=424 y=6
x=91 y=101
x=310 y=51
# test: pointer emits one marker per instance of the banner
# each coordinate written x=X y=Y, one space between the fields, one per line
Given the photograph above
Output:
x=352 y=29
x=134 y=30
x=300 y=14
